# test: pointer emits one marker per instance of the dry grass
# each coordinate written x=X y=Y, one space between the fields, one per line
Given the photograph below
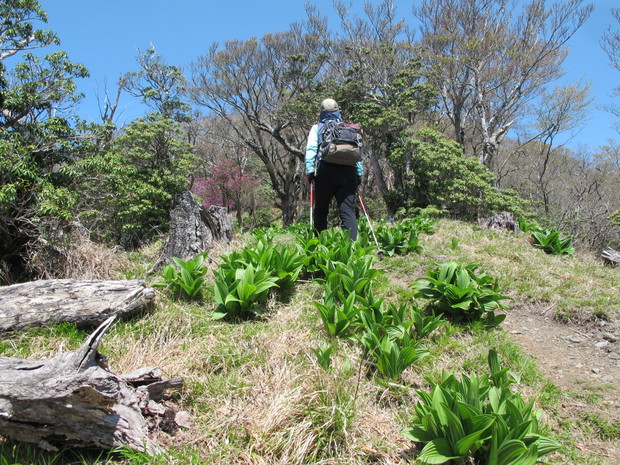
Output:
x=255 y=391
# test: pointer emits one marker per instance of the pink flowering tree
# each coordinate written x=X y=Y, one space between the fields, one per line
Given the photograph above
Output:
x=228 y=185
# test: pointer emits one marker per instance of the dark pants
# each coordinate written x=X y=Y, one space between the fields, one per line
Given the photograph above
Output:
x=338 y=181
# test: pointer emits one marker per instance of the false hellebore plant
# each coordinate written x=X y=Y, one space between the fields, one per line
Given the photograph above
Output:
x=477 y=419
x=459 y=292
x=185 y=278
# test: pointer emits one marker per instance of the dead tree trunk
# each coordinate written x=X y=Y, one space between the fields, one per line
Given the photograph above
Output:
x=194 y=229
x=504 y=221
x=611 y=257
x=86 y=303
x=72 y=399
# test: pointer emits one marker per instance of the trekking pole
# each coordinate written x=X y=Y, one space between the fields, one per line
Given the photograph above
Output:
x=359 y=196
x=311 y=204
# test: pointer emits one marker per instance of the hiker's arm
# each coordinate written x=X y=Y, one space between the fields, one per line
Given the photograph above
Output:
x=311 y=149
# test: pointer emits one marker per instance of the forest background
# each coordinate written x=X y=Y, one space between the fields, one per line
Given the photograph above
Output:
x=463 y=119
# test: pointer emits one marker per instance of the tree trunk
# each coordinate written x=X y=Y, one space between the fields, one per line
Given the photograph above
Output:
x=85 y=303
x=73 y=400
x=504 y=221
x=194 y=229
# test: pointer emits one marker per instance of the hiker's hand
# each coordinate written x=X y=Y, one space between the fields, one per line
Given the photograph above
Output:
x=310 y=178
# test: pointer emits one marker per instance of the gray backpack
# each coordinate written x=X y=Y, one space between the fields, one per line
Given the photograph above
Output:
x=339 y=143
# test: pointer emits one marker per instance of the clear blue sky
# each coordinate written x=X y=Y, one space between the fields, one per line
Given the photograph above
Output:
x=105 y=37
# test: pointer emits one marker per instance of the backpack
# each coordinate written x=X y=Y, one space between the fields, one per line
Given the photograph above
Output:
x=340 y=143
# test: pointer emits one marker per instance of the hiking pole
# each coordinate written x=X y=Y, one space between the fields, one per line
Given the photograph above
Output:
x=311 y=204
x=359 y=196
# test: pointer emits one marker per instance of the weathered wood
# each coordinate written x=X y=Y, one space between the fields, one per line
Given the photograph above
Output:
x=86 y=303
x=503 y=220
x=73 y=400
x=611 y=257
x=194 y=229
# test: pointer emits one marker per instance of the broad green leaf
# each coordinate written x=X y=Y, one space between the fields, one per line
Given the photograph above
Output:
x=437 y=451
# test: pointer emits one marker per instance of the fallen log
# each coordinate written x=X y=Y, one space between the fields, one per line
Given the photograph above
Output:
x=73 y=400
x=611 y=257
x=85 y=303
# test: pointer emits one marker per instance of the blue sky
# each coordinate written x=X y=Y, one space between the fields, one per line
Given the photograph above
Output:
x=105 y=37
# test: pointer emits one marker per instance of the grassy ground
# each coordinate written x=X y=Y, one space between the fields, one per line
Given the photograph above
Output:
x=257 y=395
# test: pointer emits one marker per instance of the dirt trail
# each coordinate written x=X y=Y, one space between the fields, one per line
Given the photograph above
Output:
x=582 y=359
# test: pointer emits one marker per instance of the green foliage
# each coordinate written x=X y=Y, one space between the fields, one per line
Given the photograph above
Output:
x=280 y=261
x=355 y=276
x=440 y=175
x=551 y=242
x=391 y=349
x=185 y=278
x=323 y=254
x=129 y=187
x=477 y=418
x=324 y=355
x=615 y=218
x=402 y=237
x=527 y=226
x=338 y=318
x=397 y=240
x=38 y=144
x=238 y=292
x=454 y=243
x=547 y=239
x=461 y=293
x=424 y=325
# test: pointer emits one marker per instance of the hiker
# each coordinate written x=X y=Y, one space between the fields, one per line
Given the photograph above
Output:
x=339 y=177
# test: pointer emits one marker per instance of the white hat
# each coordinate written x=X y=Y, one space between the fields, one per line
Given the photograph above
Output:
x=329 y=105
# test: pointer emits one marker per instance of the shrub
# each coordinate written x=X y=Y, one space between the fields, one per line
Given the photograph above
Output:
x=551 y=242
x=459 y=292
x=478 y=419
x=238 y=292
x=185 y=278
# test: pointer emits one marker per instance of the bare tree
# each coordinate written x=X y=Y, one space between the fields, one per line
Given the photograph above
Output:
x=248 y=83
x=159 y=85
x=557 y=115
x=380 y=85
x=611 y=45
x=490 y=59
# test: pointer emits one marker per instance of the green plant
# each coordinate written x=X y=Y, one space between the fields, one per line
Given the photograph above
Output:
x=237 y=292
x=324 y=355
x=459 y=292
x=338 y=318
x=391 y=349
x=322 y=254
x=282 y=262
x=398 y=238
x=286 y=266
x=551 y=242
x=527 y=226
x=424 y=324
x=185 y=278
x=356 y=276
x=454 y=243
x=479 y=419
